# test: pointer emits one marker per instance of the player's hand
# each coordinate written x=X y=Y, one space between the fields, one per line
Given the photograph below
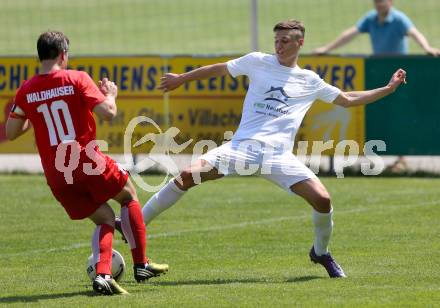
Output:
x=170 y=82
x=433 y=51
x=320 y=51
x=398 y=78
x=108 y=87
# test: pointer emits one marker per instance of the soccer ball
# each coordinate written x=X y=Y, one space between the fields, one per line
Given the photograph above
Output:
x=118 y=266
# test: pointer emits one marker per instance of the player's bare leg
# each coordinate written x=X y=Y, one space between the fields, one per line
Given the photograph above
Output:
x=200 y=171
x=314 y=192
x=133 y=228
x=102 y=239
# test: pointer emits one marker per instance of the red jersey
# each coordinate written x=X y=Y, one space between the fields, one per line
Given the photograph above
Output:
x=59 y=105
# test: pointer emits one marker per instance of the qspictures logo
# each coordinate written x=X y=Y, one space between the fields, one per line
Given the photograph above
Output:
x=165 y=145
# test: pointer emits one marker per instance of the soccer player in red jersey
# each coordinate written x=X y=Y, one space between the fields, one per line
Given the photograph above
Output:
x=59 y=104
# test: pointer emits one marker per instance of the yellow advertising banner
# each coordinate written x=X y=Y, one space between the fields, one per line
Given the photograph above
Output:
x=201 y=110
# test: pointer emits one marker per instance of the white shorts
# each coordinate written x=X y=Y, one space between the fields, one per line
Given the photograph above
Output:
x=251 y=157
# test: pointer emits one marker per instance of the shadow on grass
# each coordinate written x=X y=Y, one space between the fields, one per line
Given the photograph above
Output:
x=36 y=298
x=231 y=281
x=303 y=278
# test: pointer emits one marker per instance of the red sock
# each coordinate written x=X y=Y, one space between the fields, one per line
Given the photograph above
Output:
x=102 y=249
x=134 y=231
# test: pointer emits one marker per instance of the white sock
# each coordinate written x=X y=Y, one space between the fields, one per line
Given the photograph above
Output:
x=323 y=224
x=162 y=200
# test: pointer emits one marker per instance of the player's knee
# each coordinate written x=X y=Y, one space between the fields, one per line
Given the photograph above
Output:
x=322 y=203
x=104 y=215
x=111 y=219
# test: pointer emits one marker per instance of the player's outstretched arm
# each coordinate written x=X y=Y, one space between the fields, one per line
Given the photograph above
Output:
x=172 y=81
x=106 y=110
x=344 y=38
x=357 y=98
x=423 y=42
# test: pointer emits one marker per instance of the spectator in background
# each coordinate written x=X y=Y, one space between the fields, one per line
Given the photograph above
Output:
x=388 y=28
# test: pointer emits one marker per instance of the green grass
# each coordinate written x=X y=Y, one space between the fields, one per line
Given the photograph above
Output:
x=234 y=242
x=190 y=26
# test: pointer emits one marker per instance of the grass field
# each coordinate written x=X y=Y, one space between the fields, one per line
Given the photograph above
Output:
x=234 y=242
x=190 y=26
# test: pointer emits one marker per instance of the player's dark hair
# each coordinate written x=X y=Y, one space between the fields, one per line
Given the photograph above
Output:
x=51 y=44
x=291 y=25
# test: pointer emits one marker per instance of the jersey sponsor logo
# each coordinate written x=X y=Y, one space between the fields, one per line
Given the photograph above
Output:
x=274 y=94
x=277 y=109
x=49 y=94
x=277 y=94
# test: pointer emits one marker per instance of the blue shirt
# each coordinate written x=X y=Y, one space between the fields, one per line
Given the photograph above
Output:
x=390 y=36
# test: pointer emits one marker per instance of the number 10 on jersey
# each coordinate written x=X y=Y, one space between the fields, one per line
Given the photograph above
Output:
x=55 y=127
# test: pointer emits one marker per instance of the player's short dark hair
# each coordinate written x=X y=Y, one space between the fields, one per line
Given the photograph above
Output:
x=51 y=44
x=291 y=25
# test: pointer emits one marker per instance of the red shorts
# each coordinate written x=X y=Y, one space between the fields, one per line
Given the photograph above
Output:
x=84 y=197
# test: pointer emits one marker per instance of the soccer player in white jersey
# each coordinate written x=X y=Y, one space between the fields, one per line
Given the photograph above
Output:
x=279 y=95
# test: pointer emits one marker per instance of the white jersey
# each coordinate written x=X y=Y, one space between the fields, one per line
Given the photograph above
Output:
x=277 y=99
